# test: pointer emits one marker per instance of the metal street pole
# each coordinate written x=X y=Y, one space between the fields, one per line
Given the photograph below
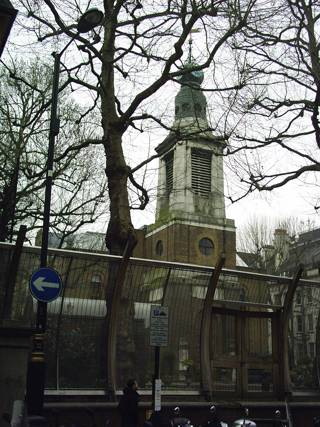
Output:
x=37 y=365
x=53 y=133
x=156 y=376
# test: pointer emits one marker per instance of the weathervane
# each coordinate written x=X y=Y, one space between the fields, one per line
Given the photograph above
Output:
x=194 y=30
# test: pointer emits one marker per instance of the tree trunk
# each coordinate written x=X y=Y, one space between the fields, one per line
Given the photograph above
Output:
x=120 y=229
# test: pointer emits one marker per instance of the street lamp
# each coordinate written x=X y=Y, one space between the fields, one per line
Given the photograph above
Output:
x=7 y=17
x=36 y=368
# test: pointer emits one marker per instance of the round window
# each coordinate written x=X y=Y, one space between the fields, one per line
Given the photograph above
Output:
x=206 y=246
x=159 y=248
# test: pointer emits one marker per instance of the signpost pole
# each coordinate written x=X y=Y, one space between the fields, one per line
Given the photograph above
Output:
x=36 y=367
x=159 y=323
x=45 y=286
x=156 y=376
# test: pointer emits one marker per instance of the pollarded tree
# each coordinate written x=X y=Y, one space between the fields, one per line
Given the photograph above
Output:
x=278 y=140
x=144 y=45
x=24 y=128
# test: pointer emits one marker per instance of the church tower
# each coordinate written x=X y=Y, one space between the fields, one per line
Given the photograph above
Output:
x=191 y=224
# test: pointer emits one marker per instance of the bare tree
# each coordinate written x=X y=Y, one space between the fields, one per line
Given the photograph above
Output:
x=277 y=139
x=144 y=46
x=255 y=234
x=79 y=185
x=268 y=240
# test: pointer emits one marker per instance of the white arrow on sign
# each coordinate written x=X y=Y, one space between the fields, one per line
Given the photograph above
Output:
x=40 y=284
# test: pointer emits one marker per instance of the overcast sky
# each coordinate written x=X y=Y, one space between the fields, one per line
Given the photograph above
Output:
x=296 y=199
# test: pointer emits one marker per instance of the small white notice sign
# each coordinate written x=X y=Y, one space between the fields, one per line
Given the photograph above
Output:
x=159 y=322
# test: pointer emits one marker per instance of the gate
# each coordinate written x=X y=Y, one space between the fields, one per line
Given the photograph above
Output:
x=245 y=356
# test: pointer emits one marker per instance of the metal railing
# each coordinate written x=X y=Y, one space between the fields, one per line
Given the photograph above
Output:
x=76 y=336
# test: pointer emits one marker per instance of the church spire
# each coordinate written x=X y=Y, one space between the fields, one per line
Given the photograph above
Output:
x=190 y=101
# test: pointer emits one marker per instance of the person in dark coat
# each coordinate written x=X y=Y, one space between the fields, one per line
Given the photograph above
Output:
x=128 y=405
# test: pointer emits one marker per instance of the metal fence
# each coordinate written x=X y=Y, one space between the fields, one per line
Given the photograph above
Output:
x=76 y=344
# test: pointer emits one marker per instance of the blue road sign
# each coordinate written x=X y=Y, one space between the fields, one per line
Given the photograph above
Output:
x=45 y=284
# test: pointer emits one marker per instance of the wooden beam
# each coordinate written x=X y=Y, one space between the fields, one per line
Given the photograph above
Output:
x=205 y=365
x=242 y=313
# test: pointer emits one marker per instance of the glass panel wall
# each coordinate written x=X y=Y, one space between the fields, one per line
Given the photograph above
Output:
x=76 y=335
x=304 y=338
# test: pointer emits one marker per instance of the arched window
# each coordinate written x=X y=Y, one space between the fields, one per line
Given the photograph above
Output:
x=159 y=248
x=206 y=246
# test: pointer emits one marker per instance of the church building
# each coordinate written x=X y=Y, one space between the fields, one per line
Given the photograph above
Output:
x=191 y=224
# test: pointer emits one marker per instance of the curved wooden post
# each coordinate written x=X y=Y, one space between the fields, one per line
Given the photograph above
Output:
x=116 y=281
x=318 y=348
x=205 y=366
x=285 y=327
x=165 y=287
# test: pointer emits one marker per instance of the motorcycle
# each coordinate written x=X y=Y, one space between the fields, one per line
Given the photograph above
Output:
x=214 y=420
x=179 y=420
x=276 y=421
x=244 y=422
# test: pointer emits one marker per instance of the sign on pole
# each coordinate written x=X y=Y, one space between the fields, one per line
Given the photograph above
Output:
x=159 y=322
x=45 y=284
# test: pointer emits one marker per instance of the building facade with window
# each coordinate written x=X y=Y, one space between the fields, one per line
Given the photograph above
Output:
x=191 y=224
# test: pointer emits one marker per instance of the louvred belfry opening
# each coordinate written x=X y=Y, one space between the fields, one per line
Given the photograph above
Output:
x=201 y=172
x=169 y=172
